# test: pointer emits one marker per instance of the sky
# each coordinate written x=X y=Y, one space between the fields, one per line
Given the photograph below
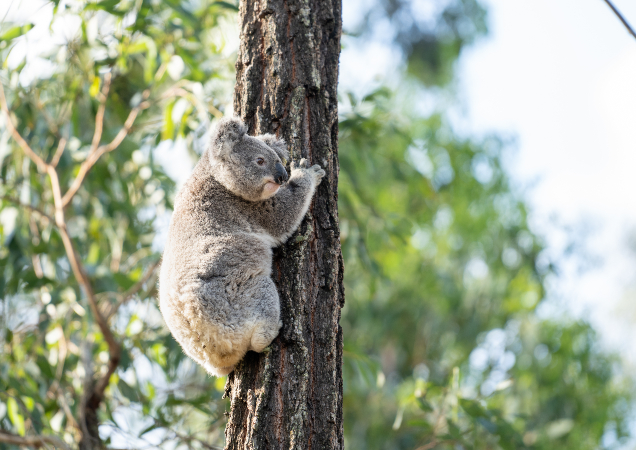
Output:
x=558 y=77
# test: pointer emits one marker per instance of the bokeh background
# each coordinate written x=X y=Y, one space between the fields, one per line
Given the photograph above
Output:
x=486 y=209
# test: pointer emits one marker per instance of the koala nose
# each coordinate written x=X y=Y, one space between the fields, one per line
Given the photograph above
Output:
x=281 y=174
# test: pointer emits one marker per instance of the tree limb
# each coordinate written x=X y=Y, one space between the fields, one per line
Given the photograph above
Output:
x=58 y=153
x=39 y=162
x=99 y=118
x=622 y=19
x=114 y=348
x=29 y=207
x=95 y=393
x=134 y=289
x=33 y=441
x=96 y=153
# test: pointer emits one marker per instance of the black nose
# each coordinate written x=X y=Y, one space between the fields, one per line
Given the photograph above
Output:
x=281 y=174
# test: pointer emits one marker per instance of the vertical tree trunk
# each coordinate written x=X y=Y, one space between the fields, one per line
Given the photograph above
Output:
x=287 y=75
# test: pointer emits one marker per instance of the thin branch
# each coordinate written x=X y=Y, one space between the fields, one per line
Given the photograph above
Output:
x=178 y=91
x=39 y=162
x=67 y=410
x=192 y=438
x=130 y=293
x=80 y=275
x=42 y=108
x=622 y=19
x=99 y=118
x=94 y=393
x=58 y=153
x=94 y=156
x=33 y=441
x=29 y=207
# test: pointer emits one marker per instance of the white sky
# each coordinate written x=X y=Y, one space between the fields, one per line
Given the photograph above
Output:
x=561 y=76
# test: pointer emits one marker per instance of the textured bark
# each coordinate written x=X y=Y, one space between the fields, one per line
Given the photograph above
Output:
x=287 y=75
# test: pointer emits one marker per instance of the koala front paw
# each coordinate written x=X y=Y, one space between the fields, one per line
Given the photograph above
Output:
x=315 y=172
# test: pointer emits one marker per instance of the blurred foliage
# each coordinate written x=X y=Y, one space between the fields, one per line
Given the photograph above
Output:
x=430 y=33
x=166 y=58
x=443 y=348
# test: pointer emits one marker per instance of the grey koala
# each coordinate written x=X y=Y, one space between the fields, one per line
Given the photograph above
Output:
x=216 y=294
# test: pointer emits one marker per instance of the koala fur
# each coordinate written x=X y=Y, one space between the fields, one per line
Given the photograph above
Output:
x=216 y=294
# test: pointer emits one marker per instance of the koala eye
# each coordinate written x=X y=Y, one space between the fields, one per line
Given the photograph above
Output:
x=260 y=161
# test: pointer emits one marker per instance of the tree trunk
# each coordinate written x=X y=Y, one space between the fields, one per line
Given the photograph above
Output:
x=287 y=76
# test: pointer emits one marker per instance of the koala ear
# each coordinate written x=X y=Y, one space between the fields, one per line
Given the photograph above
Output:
x=278 y=145
x=228 y=132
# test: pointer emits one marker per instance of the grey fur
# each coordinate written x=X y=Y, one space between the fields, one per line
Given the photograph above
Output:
x=216 y=294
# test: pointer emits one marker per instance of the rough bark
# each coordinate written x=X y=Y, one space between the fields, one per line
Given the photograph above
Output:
x=287 y=75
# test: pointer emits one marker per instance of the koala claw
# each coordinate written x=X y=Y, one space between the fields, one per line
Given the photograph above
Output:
x=318 y=171
x=302 y=164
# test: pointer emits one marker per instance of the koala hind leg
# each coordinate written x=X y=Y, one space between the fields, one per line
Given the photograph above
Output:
x=267 y=321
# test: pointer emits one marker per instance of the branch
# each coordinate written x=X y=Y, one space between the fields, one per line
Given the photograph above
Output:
x=81 y=277
x=192 y=438
x=99 y=118
x=178 y=91
x=29 y=207
x=130 y=293
x=58 y=153
x=94 y=394
x=39 y=162
x=60 y=221
x=33 y=441
x=96 y=153
x=622 y=19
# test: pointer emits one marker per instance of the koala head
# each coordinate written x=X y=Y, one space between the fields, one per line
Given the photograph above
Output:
x=248 y=166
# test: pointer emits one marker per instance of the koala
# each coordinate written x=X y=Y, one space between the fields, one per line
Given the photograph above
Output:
x=215 y=290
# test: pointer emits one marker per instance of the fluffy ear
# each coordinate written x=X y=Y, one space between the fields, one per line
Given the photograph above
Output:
x=278 y=145
x=228 y=132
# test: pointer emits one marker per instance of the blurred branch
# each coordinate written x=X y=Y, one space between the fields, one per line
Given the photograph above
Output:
x=96 y=153
x=58 y=153
x=29 y=207
x=33 y=441
x=178 y=91
x=187 y=439
x=39 y=162
x=42 y=109
x=622 y=19
x=130 y=293
x=99 y=118
x=94 y=393
x=82 y=279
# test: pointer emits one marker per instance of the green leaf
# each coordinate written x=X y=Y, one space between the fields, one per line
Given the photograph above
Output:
x=226 y=5
x=123 y=281
x=472 y=408
x=423 y=404
x=45 y=367
x=168 y=125
x=105 y=5
x=15 y=32
x=15 y=417
x=127 y=391
x=147 y=429
x=487 y=424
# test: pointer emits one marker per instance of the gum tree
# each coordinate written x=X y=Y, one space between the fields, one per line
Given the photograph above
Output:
x=287 y=76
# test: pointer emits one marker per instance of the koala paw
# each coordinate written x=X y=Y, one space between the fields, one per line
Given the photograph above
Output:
x=315 y=172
